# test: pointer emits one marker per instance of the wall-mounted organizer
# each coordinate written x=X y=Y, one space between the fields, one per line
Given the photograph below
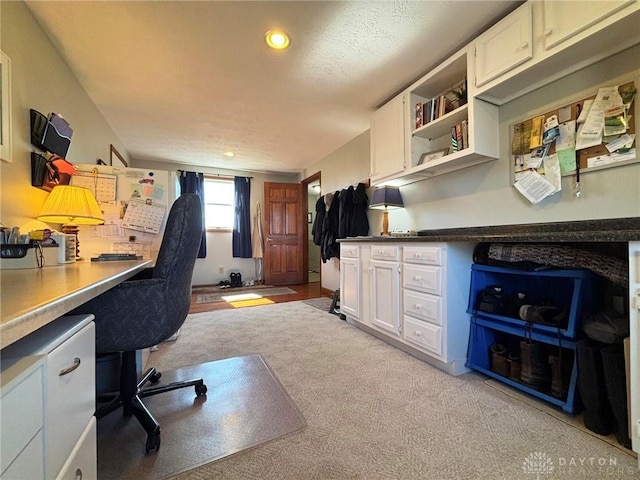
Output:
x=537 y=357
x=50 y=134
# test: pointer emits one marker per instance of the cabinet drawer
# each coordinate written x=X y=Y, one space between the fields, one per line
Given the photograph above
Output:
x=82 y=463
x=423 y=255
x=349 y=251
x=70 y=396
x=30 y=462
x=422 y=278
x=423 y=334
x=422 y=306
x=380 y=252
x=21 y=415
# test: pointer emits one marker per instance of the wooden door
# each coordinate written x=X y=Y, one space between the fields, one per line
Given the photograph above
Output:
x=285 y=234
x=634 y=348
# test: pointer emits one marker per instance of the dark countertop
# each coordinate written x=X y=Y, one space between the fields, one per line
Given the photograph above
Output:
x=608 y=230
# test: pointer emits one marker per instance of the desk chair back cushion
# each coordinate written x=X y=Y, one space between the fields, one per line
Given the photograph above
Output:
x=143 y=312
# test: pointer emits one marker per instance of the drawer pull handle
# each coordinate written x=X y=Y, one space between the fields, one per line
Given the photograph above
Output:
x=418 y=306
x=417 y=255
x=418 y=333
x=66 y=371
x=78 y=474
x=417 y=278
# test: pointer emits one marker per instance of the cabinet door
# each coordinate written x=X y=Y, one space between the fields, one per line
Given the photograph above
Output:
x=563 y=20
x=387 y=139
x=350 y=287
x=385 y=295
x=504 y=46
x=634 y=351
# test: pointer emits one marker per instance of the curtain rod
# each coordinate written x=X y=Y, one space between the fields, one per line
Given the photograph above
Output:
x=228 y=177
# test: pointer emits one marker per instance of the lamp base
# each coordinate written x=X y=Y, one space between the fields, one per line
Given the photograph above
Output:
x=385 y=223
x=72 y=229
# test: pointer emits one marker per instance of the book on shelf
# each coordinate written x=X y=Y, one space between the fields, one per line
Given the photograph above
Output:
x=459 y=137
x=419 y=115
x=454 y=139
x=465 y=133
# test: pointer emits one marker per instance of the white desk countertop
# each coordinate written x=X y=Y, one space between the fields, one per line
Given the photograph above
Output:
x=31 y=298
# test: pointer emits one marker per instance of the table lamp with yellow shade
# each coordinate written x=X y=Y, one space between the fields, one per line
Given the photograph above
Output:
x=71 y=206
x=384 y=198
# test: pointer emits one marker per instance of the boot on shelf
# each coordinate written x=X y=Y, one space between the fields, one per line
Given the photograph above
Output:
x=615 y=380
x=561 y=367
x=535 y=367
x=597 y=413
x=499 y=363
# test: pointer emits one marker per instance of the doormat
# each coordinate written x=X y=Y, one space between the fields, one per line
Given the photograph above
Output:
x=226 y=295
x=323 y=303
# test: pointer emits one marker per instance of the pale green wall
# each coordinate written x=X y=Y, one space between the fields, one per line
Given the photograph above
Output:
x=42 y=80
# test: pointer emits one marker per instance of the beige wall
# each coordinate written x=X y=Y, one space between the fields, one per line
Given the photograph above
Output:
x=41 y=80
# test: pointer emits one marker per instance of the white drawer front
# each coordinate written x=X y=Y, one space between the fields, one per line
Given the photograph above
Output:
x=423 y=255
x=22 y=416
x=382 y=252
x=349 y=251
x=425 y=335
x=30 y=462
x=422 y=306
x=70 y=396
x=82 y=463
x=422 y=278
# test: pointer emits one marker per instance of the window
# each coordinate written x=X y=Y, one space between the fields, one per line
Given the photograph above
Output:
x=218 y=203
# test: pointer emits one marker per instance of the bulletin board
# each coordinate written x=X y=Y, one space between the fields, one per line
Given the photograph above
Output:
x=523 y=131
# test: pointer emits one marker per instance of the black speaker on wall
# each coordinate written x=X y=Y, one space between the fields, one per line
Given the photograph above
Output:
x=51 y=134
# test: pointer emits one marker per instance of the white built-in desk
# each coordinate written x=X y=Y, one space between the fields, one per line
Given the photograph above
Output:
x=47 y=365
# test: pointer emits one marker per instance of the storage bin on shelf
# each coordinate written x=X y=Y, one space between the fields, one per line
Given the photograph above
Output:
x=572 y=292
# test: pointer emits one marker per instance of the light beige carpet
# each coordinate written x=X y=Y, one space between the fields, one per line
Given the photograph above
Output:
x=245 y=406
x=375 y=413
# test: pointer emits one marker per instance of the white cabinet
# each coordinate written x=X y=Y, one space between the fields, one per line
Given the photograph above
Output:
x=66 y=350
x=354 y=280
x=504 y=46
x=385 y=296
x=565 y=37
x=22 y=418
x=477 y=118
x=350 y=281
x=388 y=139
x=418 y=298
x=435 y=281
x=563 y=20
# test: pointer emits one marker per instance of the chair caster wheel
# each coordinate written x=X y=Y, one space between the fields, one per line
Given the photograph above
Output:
x=201 y=390
x=153 y=441
x=155 y=378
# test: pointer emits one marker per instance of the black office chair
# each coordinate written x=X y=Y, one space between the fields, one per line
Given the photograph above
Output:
x=147 y=310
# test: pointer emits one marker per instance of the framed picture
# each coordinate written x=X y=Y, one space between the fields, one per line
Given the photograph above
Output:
x=427 y=157
x=309 y=217
x=117 y=160
x=5 y=108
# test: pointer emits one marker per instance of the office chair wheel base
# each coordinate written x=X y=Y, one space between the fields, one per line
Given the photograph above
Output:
x=201 y=390
x=155 y=378
x=153 y=441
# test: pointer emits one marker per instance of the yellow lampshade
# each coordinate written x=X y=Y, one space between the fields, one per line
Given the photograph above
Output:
x=71 y=204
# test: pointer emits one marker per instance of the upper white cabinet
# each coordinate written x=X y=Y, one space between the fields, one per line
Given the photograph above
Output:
x=388 y=139
x=565 y=37
x=504 y=46
x=563 y=20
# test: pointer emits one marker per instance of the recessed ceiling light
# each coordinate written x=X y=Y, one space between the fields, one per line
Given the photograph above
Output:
x=277 y=39
x=229 y=154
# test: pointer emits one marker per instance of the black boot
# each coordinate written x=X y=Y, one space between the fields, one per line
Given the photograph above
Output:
x=597 y=412
x=535 y=371
x=616 y=383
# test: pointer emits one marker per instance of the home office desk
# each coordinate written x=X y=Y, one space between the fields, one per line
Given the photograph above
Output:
x=31 y=298
x=47 y=384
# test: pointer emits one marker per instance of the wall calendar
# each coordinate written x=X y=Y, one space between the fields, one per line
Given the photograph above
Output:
x=144 y=216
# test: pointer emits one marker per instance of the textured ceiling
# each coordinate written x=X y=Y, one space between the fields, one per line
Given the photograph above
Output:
x=184 y=81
